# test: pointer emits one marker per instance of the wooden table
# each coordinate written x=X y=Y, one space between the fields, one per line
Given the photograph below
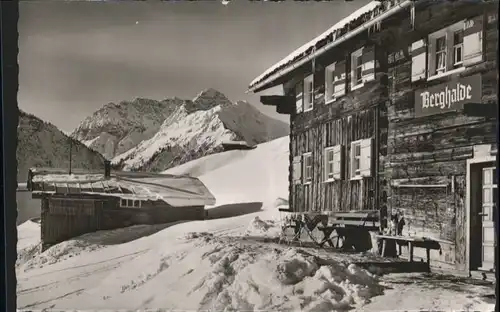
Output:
x=411 y=242
x=348 y=223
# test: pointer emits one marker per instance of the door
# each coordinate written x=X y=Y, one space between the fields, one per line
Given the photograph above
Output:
x=489 y=204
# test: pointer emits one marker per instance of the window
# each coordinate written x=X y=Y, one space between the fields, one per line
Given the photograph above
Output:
x=307 y=168
x=308 y=93
x=361 y=155
x=130 y=203
x=356 y=159
x=330 y=83
x=458 y=48
x=440 y=55
x=329 y=160
x=332 y=163
x=446 y=50
x=357 y=69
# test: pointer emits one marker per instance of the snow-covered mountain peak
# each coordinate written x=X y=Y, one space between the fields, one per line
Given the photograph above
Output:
x=116 y=128
x=208 y=99
x=210 y=92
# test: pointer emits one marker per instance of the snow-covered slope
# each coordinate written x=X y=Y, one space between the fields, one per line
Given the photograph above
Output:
x=41 y=144
x=198 y=128
x=260 y=174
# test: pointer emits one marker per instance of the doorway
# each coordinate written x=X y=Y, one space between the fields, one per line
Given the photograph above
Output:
x=483 y=205
x=488 y=206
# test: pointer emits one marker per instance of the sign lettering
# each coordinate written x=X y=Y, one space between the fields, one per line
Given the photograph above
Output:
x=448 y=96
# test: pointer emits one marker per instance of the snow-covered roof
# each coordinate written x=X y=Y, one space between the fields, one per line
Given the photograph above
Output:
x=347 y=24
x=177 y=191
x=238 y=143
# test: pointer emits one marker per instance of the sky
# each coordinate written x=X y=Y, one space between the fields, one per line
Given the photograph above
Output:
x=76 y=56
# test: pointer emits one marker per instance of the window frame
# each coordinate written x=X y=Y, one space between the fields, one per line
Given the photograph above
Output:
x=327 y=163
x=130 y=203
x=455 y=46
x=353 y=174
x=451 y=67
x=307 y=180
x=308 y=95
x=444 y=69
x=330 y=83
x=355 y=56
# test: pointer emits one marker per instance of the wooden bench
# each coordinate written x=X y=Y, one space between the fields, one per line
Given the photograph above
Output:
x=346 y=224
x=419 y=242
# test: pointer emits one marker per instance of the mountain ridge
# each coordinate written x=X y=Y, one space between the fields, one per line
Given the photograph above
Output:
x=146 y=134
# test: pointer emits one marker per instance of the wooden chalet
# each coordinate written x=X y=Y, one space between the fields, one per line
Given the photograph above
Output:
x=394 y=109
x=80 y=203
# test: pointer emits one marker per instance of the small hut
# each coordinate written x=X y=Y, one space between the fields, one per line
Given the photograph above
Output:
x=83 y=202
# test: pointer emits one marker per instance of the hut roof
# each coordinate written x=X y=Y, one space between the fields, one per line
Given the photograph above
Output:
x=177 y=191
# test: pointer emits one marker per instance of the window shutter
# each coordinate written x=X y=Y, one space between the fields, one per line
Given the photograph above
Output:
x=368 y=58
x=307 y=158
x=297 y=170
x=329 y=78
x=340 y=78
x=299 y=97
x=431 y=58
x=324 y=175
x=418 y=60
x=366 y=158
x=303 y=168
x=473 y=41
x=337 y=162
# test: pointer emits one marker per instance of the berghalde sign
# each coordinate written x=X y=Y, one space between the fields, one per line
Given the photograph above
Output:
x=448 y=96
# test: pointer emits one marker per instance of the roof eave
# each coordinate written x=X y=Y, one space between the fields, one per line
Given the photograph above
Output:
x=268 y=82
x=260 y=88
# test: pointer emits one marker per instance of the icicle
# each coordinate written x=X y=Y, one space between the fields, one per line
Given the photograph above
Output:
x=412 y=15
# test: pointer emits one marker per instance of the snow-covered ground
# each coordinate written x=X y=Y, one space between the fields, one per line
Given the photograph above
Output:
x=222 y=264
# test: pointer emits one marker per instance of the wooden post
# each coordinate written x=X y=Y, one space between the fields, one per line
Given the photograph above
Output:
x=377 y=159
x=410 y=248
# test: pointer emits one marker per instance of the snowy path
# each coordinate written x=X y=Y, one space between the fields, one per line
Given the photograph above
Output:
x=219 y=267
